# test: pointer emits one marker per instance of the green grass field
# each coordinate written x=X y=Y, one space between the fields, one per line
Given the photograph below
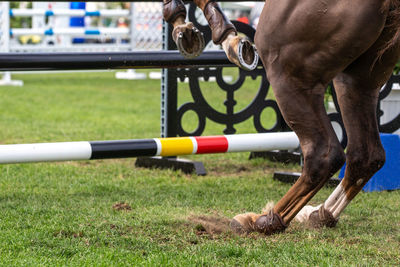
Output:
x=109 y=213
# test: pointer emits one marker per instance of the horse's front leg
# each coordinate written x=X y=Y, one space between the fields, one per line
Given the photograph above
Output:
x=239 y=50
x=188 y=39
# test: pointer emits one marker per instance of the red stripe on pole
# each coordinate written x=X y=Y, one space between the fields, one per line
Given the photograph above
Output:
x=211 y=144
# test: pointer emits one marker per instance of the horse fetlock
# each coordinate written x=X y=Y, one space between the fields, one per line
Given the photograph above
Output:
x=241 y=52
x=220 y=25
x=189 y=40
x=304 y=213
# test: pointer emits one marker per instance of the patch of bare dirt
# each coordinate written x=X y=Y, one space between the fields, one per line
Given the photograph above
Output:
x=122 y=206
x=210 y=225
x=216 y=226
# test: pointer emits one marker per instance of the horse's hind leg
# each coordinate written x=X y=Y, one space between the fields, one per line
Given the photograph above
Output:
x=300 y=61
x=357 y=89
x=188 y=39
x=323 y=154
x=239 y=50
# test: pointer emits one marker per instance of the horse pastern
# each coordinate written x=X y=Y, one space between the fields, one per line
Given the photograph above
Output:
x=244 y=223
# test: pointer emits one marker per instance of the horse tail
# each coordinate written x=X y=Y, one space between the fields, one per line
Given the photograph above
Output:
x=394 y=18
x=393 y=24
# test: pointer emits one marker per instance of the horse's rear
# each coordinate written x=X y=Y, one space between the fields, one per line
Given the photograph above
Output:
x=304 y=45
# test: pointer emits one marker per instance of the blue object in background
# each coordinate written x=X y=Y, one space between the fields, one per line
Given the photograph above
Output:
x=77 y=21
x=387 y=178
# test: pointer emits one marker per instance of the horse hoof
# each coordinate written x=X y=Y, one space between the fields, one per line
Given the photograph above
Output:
x=270 y=224
x=189 y=40
x=320 y=218
x=242 y=52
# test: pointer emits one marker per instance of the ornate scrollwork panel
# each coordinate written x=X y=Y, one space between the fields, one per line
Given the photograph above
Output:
x=230 y=118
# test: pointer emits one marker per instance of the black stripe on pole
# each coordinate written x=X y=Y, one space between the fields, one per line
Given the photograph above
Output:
x=123 y=149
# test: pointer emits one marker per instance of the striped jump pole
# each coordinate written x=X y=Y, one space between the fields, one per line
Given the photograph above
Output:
x=68 y=12
x=69 y=31
x=68 y=151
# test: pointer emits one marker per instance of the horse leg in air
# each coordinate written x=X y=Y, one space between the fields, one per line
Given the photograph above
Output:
x=239 y=50
x=357 y=89
x=188 y=39
x=300 y=60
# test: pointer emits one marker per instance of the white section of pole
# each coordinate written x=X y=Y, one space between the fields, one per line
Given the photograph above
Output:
x=262 y=142
x=70 y=31
x=26 y=12
x=114 y=12
x=69 y=12
x=23 y=153
x=159 y=147
x=195 y=145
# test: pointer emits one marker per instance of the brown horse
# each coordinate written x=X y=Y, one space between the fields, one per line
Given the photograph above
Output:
x=190 y=42
x=303 y=46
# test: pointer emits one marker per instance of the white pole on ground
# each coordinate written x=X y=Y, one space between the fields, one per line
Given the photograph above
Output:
x=85 y=150
x=5 y=43
x=262 y=142
x=43 y=152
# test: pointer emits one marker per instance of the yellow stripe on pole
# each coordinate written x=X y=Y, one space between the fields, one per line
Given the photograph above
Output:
x=176 y=146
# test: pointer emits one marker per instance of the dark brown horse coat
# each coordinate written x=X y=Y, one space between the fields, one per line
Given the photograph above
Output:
x=304 y=45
